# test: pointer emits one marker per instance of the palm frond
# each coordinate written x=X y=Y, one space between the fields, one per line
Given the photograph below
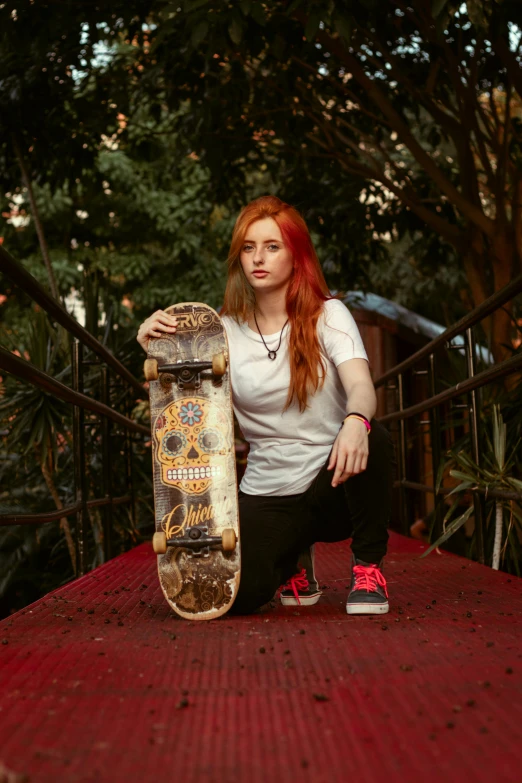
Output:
x=450 y=530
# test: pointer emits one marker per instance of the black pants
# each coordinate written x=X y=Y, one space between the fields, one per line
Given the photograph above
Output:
x=275 y=529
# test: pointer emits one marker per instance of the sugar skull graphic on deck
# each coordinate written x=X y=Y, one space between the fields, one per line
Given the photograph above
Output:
x=191 y=438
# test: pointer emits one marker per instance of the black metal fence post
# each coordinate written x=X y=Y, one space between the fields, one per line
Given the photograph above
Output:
x=80 y=478
x=106 y=465
x=435 y=437
x=403 y=499
x=129 y=461
x=474 y=432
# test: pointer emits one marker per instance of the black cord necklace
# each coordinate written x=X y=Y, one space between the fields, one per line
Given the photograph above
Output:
x=271 y=354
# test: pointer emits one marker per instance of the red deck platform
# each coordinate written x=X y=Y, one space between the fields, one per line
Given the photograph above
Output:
x=100 y=682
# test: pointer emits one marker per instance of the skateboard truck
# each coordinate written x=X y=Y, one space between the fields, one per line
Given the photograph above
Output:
x=197 y=539
x=186 y=373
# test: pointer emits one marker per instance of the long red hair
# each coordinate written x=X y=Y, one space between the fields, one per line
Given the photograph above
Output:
x=306 y=293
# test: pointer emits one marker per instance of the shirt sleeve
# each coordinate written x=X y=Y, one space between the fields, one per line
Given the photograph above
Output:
x=338 y=333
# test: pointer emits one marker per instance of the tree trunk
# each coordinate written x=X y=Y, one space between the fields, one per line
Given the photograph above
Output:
x=498 y=327
x=64 y=523
x=26 y=179
x=503 y=265
x=499 y=516
x=474 y=267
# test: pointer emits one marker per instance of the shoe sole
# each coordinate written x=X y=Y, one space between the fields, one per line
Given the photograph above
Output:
x=308 y=600
x=367 y=608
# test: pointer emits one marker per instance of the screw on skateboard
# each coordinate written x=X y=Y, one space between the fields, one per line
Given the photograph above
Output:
x=194 y=470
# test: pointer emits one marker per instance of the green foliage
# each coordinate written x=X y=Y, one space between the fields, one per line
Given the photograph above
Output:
x=145 y=130
x=32 y=418
x=36 y=470
x=331 y=101
x=500 y=460
x=33 y=561
x=57 y=95
x=140 y=231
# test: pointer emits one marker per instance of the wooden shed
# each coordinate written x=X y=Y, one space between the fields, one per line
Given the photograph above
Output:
x=392 y=333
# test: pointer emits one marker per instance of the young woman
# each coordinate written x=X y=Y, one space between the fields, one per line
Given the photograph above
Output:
x=319 y=466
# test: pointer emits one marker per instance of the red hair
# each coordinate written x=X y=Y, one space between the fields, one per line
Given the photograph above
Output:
x=306 y=292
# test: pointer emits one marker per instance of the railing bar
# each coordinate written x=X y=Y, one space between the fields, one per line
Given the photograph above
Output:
x=420 y=487
x=402 y=456
x=109 y=501
x=28 y=372
x=492 y=493
x=79 y=458
x=479 y=380
x=51 y=516
x=435 y=441
x=475 y=446
x=21 y=277
x=129 y=471
x=486 y=308
x=106 y=464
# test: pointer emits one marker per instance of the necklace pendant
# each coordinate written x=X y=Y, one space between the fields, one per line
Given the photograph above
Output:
x=272 y=355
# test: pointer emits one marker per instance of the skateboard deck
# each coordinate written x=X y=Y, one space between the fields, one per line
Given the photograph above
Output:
x=194 y=469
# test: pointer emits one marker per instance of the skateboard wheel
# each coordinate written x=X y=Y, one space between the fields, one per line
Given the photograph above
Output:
x=159 y=543
x=219 y=364
x=228 y=539
x=150 y=369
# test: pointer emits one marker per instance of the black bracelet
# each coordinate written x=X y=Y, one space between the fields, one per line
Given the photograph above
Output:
x=361 y=415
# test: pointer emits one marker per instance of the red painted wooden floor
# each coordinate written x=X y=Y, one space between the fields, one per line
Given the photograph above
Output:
x=100 y=682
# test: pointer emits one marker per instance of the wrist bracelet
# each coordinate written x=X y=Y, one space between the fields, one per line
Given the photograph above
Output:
x=361 y=417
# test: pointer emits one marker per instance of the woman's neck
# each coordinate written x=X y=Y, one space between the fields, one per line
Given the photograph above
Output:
x=271 y=306
x=270 y=312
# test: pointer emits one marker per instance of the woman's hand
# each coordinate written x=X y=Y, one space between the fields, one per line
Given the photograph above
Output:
x=350 y=451
x=156 y=326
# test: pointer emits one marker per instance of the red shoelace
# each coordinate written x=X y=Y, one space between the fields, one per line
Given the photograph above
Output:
x=298 y=582
x=368 y=577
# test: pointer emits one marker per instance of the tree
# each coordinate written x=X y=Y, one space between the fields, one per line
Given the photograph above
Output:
x=425 y=105
x=56 y=94
x=35 y=418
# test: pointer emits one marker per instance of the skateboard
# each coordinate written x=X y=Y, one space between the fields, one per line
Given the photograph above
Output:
x=194 y=470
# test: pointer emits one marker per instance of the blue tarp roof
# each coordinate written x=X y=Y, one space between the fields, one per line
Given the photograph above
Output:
x=374 y=303
x=395 y=312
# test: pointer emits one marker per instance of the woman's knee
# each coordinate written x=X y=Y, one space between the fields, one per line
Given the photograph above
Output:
x=257 y=585
x=251 y=597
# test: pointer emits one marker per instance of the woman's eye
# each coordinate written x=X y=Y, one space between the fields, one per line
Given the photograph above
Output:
x=271 y=247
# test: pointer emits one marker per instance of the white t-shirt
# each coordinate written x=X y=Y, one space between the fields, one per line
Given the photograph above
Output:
x=288 y=449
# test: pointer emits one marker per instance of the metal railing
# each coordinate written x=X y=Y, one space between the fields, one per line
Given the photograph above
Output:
x=81 y=402
x=394 y=380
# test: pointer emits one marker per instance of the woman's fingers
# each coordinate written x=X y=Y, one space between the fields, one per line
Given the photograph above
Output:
x=357 y=464
x=158 y=324
x=333 y=457
x=166 y=319
x=339 y=470
x=163 y=322
x=348 y=464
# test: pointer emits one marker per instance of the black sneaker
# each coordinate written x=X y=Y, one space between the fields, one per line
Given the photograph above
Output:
x=302 y=589
x=368 y=593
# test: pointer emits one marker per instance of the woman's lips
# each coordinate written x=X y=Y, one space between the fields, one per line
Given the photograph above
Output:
x=260 y=274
